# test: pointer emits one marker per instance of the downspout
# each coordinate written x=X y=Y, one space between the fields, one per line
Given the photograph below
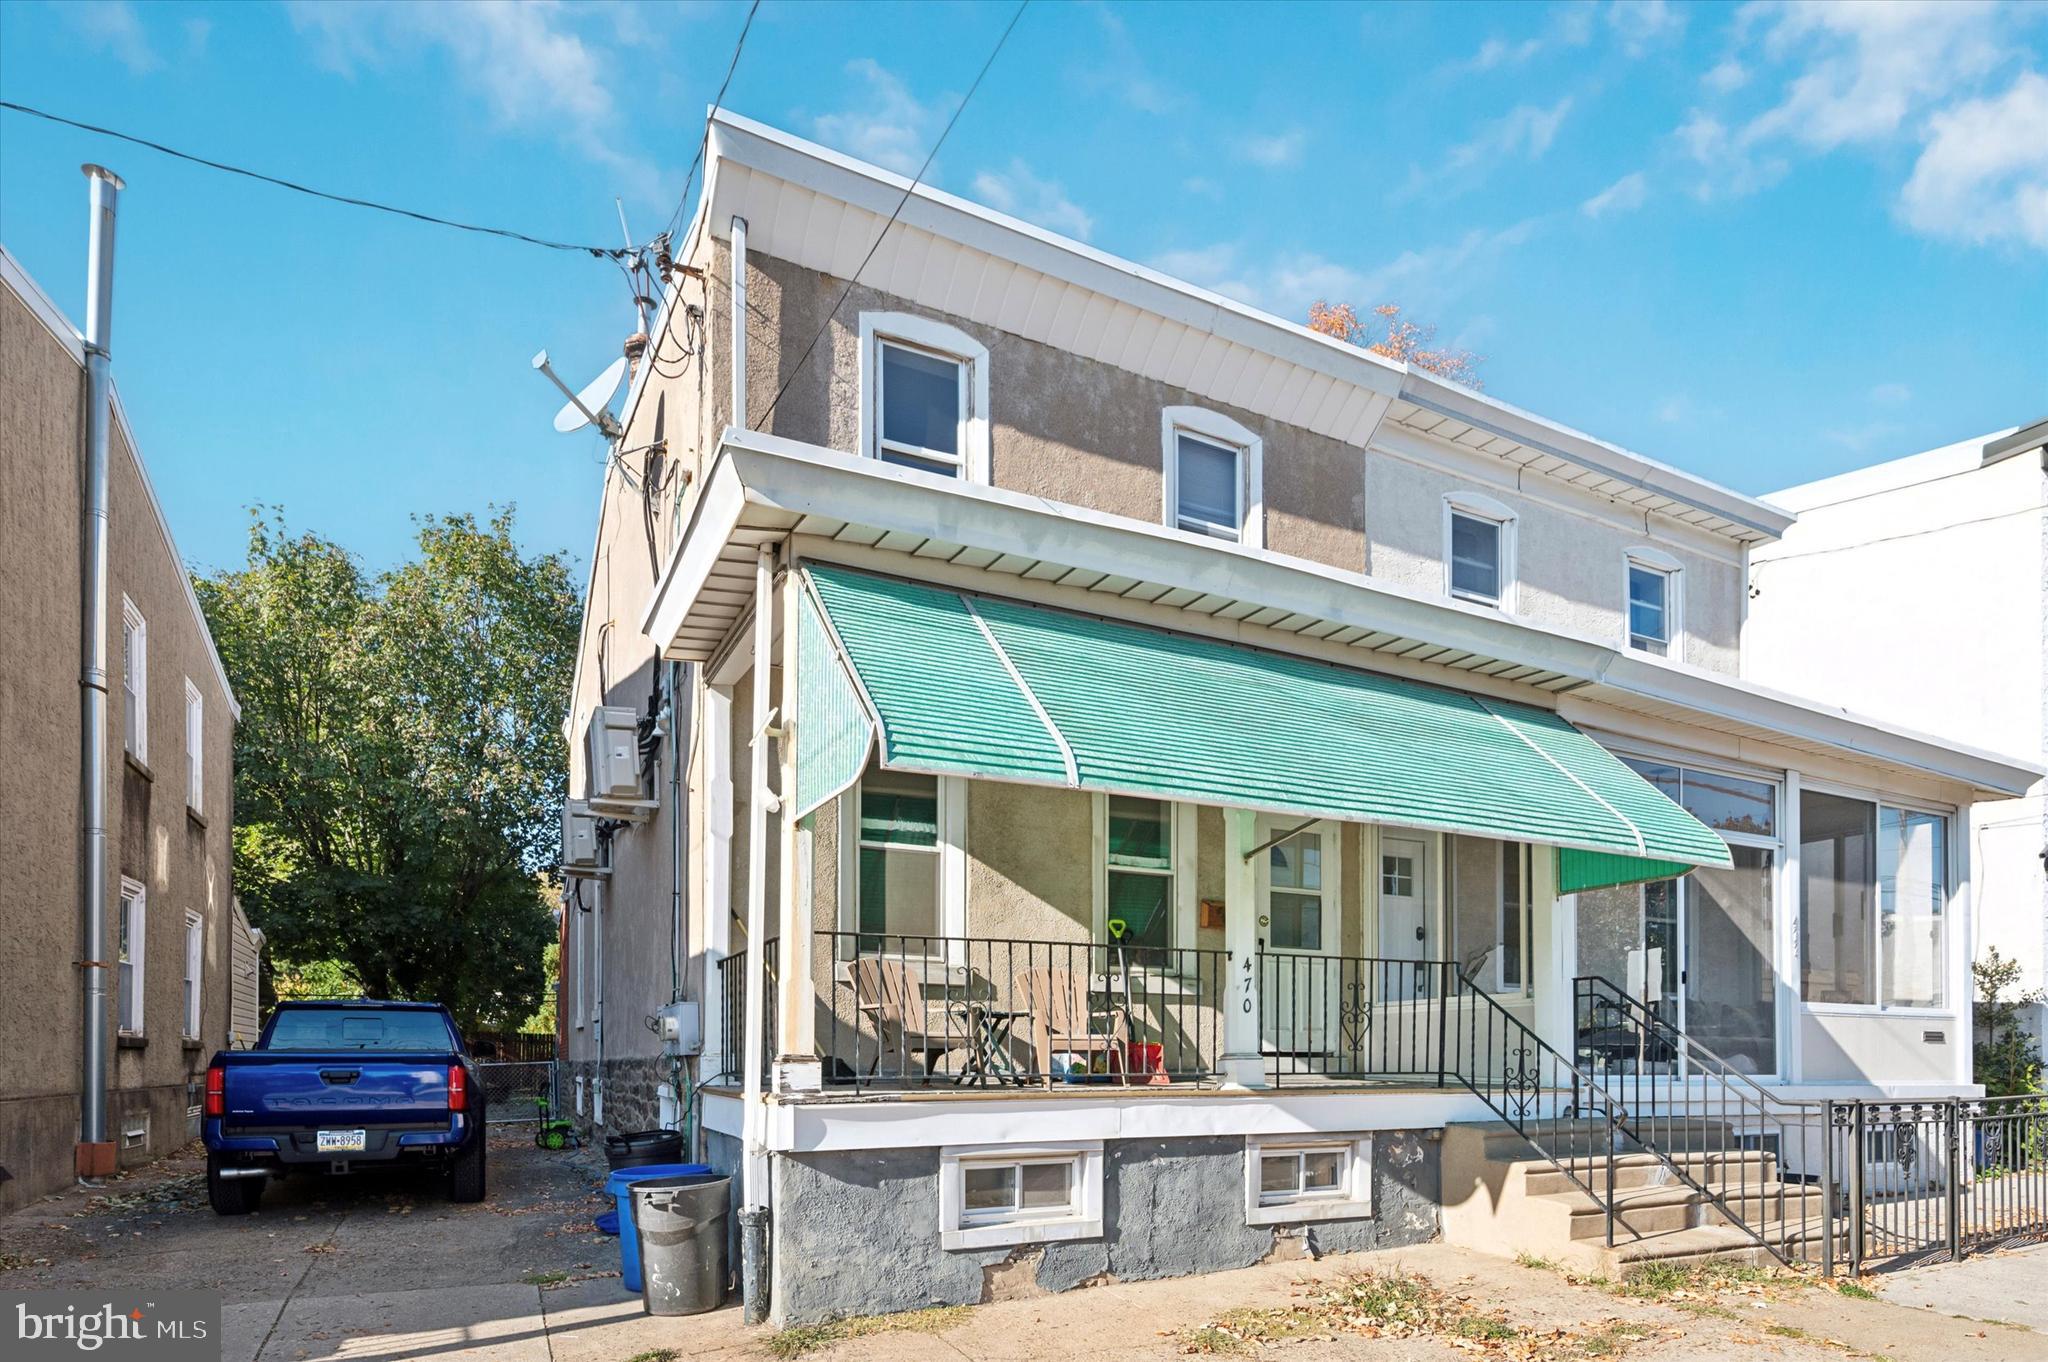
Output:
x=94 y=1156
x=754 y=1213
x=739 y=324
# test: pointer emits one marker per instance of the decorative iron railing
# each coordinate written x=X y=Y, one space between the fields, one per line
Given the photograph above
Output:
x=733 y=980
x=1750 y=1152
x=1353 y=1017
x=991 y=1011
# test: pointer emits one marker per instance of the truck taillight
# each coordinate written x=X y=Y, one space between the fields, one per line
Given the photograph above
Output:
x=216 y=1091
x=458 y=1088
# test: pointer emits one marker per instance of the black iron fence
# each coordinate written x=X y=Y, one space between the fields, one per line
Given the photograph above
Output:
x=988 y=1011
x=1938 y=1179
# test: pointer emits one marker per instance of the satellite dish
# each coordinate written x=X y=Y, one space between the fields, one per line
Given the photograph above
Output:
x=587 y=408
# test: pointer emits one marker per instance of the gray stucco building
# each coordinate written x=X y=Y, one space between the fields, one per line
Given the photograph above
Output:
x=1124 y=785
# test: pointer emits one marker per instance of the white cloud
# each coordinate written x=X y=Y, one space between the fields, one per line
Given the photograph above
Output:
x=1203 y=185
x=889 y=126
x=1878 y=78
x=1891 y=394
x=1018 y=192
x=1526 y=130
x=527 y=62
x=1422 y=280
x=1726 y=76
x=1983 y=176
x=1865 y=438
x=1681 y=409
x=1640 y=25
x=113 y=26
x=1571 y=26
x=1274 y=151
x=1625 y=195
x=1121 y=70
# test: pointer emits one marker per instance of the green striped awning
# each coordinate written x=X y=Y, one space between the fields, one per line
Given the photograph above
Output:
x=955 y=683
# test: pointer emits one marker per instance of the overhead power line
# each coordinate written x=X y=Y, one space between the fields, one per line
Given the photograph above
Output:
x=601 y=252
x=908 y=190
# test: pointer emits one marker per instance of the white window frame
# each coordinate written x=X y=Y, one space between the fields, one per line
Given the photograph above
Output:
x=195 y=748
x=1475 y=506
x=1673 y=572
x=1181 y=824
x=948 y=342
x=596 y=953
x=1352 y=1202
x=1218 y=429
x=195 y=973
x=1524 y=853
x=134 y=681
x=134 y=909
x=952 y=853
x=1082 y=1219
x=1954 y=844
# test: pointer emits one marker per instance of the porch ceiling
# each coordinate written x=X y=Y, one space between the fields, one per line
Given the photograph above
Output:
x=764 y=489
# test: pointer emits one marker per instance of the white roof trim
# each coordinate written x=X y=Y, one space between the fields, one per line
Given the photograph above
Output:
x=22 y=285
x=761 y=488
x=1309 y=363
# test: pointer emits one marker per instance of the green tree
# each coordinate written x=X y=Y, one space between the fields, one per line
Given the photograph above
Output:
x=399 y=765
x=2006 y=1059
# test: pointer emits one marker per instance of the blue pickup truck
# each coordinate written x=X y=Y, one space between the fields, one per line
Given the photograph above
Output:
x=336 y=1086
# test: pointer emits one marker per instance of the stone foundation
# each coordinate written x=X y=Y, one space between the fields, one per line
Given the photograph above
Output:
x=858 y=1233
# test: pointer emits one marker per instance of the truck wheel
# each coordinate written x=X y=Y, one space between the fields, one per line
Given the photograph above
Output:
x=466 y=1173
x=231 y=1196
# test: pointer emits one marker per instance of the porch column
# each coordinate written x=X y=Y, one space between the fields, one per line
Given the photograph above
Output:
x=1553 y=951
x=753 y=1216
x=797 y=1066
x=1242 y=1065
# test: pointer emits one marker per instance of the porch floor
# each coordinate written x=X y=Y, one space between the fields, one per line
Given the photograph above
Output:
x=916 y=1090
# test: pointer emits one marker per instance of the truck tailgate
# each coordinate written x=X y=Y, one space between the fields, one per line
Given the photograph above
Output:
x=303 y=1091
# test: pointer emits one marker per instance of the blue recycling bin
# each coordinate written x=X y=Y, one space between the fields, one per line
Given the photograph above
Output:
x=619 y=1188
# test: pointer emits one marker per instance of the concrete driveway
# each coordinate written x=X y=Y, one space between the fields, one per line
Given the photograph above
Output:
x=372 y=1268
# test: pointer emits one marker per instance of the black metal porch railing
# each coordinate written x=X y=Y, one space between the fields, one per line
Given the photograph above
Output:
x=1747 y=1150
x=1354 y=1017
x=986 y=1011
x=1939 y=1179
x=733 y=980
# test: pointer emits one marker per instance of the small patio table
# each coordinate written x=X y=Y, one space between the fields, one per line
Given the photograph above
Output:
x=988 y=1045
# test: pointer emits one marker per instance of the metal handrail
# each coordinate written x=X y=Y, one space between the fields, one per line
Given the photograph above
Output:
x=1729 y=1101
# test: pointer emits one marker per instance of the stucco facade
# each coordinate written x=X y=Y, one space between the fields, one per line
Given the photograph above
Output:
x=733 y=484
x=180 y=856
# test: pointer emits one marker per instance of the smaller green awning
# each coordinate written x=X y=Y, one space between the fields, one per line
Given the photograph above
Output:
x=956 y=683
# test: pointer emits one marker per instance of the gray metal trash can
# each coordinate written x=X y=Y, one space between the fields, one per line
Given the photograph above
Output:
x=681 y=1224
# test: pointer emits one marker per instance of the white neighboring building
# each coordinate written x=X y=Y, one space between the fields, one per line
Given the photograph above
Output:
x=1950 y=550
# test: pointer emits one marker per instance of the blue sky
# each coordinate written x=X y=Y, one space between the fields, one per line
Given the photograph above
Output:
x=1763 y=242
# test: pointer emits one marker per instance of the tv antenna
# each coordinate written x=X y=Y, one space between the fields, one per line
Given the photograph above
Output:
x=587 y=408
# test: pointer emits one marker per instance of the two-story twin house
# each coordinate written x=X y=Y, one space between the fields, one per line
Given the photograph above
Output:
x=1132 y=786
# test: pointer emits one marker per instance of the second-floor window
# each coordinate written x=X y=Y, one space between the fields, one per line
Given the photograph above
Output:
x=134 y=681
x=195 y=748
x=924 y=396
x=1479 y=548
x=1212 y=475
x=1651 y=579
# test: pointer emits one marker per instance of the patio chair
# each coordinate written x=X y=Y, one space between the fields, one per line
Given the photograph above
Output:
x=1064 y=1022
x=889 y=993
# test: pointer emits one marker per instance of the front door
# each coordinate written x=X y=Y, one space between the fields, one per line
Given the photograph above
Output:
x=1403 y=888
x=1301 y=928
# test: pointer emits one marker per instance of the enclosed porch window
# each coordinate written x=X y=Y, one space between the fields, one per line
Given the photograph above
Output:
x=897 y=889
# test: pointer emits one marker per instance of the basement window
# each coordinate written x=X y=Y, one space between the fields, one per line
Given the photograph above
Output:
x=1293 y=1179
x=993 y=1195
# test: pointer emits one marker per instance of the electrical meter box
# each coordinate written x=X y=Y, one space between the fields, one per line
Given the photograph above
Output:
x=681 y=1028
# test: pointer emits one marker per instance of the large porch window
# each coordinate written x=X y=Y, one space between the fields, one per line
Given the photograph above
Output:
x=897 y=887
x=1873 y=893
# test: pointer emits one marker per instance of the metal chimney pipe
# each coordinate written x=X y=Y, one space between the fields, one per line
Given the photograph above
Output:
x=95 y=1154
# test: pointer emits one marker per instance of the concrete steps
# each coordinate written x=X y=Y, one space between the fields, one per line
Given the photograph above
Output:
x=1501 y=1196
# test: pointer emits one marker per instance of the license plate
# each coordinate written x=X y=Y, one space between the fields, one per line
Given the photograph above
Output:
x=342 y=1141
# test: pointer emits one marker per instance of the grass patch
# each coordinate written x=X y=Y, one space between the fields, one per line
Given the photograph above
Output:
x=1399 y=1306
x=656 y=1355
x=1856 y=1291
x=804 y=1338
x=551 y=1277
x=1533 y=1261
x=1784 y=1331
x=1678 y=1281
